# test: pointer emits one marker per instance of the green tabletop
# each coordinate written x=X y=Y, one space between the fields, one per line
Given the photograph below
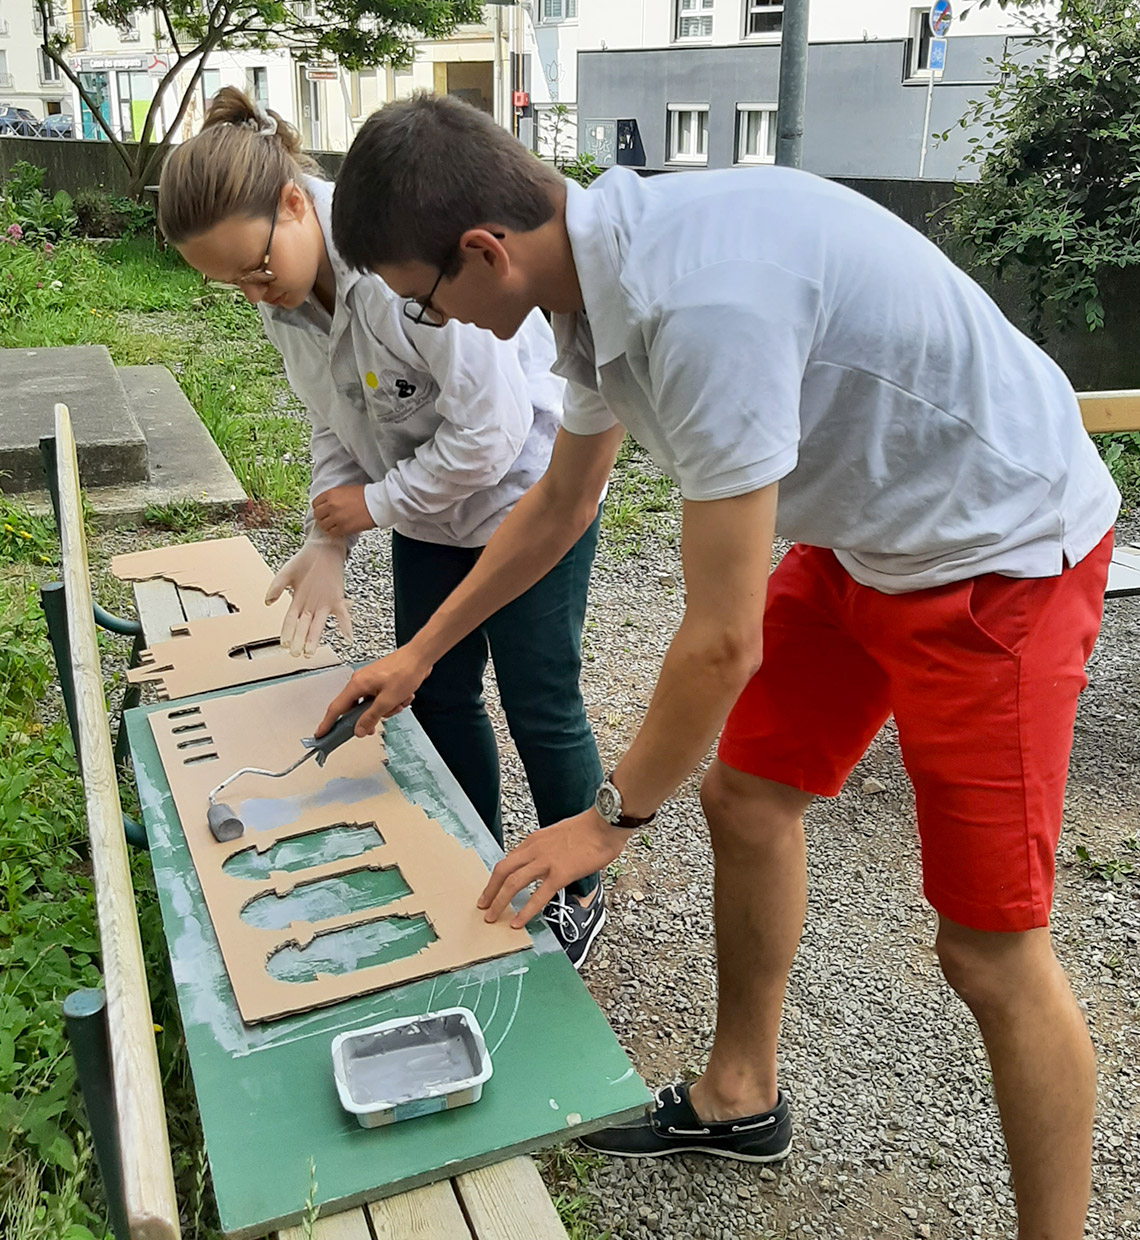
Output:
x=270 y=1114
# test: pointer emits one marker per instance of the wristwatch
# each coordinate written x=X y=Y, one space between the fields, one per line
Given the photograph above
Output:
x=607 y=803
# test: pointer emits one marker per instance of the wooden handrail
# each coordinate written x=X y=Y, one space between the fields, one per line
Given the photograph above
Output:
x=148 y=1178
x=1104 y=412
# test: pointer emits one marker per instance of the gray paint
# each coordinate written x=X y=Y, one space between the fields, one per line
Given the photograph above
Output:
x=862 y=118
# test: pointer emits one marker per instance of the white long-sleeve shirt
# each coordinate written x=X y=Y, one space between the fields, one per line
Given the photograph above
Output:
x=445 y=427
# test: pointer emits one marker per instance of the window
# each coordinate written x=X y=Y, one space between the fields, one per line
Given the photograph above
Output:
x=49 y=70
x=211 y=82
x=559 y=10
x=257 y=84
x=694 y=19
x=129 y=30
x=919 y=47
x=763 y=17
x=688 y=133
x=755 y=134
x=5 y=78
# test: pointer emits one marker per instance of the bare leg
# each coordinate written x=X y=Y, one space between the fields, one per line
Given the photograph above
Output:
x=760 y=895
x=1043 y=1068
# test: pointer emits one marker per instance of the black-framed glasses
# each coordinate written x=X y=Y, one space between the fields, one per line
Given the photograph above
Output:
x=420 y=309
x=263 y=275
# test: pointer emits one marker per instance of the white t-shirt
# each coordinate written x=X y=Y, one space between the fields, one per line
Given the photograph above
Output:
x=763 y=325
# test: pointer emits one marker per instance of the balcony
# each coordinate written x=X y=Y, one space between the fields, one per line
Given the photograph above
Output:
x=7 y=82
x=3 y=29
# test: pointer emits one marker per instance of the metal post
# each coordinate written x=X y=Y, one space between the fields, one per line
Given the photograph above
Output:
x=793 y=84
x=55 y=613
x=926 y=122
x=85 y=1019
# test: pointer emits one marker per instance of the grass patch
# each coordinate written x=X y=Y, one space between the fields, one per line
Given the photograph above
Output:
x=566 y=1170
x=146 y=306
x=642 y=503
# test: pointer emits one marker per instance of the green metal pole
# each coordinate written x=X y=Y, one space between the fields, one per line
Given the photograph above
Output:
x=54 y=603
x=85 y=1018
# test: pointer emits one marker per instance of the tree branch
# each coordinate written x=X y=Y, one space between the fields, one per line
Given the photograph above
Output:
x=73 y=78
x=169 y=28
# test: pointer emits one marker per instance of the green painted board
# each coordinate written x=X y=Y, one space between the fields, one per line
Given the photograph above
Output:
x=266 y=1092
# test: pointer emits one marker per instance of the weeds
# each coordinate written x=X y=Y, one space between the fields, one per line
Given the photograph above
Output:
x=567 y=1169
x=1110 y=869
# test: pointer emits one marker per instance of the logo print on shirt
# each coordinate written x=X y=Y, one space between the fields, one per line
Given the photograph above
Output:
x=404 y=389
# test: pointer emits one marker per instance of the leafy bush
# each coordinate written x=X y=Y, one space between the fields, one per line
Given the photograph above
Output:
x=29 y=214
x=582 y=168
x=111 y=215
x=1058 y=195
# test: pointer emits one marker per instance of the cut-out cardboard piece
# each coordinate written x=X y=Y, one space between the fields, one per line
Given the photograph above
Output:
x=238 y=647
x=437 y=923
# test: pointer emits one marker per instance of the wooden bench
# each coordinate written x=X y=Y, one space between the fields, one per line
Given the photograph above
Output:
x=1107 y=413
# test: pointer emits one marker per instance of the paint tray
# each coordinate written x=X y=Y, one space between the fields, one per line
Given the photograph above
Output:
x=412 y=1066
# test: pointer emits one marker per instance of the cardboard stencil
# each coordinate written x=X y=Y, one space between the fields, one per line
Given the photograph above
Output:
x=216 y=652
x=202 y=744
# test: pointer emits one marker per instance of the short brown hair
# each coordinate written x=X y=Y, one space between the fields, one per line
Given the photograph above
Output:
x=237 y=165
x=424 y=170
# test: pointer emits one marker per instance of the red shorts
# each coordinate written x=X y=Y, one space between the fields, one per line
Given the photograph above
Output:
x=982 y=677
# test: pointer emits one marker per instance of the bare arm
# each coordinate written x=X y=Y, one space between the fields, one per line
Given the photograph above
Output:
x=727 y=555
x=541 y=528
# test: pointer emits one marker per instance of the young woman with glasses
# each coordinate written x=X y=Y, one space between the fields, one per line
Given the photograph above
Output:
x=432 y=428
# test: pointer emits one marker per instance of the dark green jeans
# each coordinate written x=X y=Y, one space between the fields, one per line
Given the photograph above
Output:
x=536 y=643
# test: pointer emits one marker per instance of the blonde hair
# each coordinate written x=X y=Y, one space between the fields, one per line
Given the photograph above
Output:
x=237 y=165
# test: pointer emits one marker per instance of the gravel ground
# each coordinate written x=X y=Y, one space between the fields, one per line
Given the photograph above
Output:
x=896 y=1132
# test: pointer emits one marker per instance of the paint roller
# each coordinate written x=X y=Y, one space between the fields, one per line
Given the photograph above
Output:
x=225 y=825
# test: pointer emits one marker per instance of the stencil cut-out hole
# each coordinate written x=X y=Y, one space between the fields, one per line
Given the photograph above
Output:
x=188 y=727
x=302 y=852
x=257 y=650
x=186 y=710
x=353 y=948
x=200 y=757
x=325 y=898
x=195 y=742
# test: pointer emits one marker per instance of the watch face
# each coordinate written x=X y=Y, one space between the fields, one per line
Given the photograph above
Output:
x=607 y=802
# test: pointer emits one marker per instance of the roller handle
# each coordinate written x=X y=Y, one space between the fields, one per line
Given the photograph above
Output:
x=343 y=730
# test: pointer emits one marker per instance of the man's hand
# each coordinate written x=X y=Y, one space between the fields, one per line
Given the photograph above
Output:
x=552 y=857
x=392 y=681
x=315 y=577
x=341 y=511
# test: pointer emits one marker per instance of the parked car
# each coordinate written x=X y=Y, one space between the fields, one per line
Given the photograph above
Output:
x=58 y=126
x=18 y=122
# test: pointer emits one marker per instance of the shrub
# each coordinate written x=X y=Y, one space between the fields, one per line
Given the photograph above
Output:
x=111 y=215
x=27 y=213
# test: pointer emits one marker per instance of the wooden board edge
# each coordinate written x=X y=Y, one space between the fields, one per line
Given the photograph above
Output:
x=1105 y=412
x=509 y=1201
x=148 y=1177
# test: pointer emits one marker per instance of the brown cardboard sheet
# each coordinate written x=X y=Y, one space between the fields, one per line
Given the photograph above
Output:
x=203 y=744
x=216 y=652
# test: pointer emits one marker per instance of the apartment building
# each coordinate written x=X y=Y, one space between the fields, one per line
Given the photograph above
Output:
x=672 y=84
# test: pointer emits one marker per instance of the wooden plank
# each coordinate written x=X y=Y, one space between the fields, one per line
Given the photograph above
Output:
x=159 y=610
x=348 y=1225
x=508 y=1201
x=430 y=1213
x=198 y=605
x=1103 y=412
x=148 y=1180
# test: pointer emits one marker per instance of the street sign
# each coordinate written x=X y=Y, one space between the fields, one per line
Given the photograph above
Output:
x=937 y=55
x=941 y=15
x=321 y=73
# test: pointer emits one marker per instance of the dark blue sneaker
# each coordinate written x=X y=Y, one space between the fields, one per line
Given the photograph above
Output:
x=671 y=1126
x=576 y=926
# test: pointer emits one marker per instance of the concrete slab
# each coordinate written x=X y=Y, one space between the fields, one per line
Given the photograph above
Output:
x=111 y=446
x=186 y=466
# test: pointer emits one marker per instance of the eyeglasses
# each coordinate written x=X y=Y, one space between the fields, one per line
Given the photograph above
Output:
x=262 y=275
x=420 y=309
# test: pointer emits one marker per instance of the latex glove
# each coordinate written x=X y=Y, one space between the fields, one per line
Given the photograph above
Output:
x=315 y=576
x=341 y=511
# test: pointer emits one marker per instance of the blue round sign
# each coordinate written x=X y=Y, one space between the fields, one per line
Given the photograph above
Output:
x=941 y=15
